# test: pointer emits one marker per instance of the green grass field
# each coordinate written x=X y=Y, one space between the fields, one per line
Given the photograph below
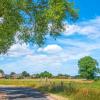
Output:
x=74 y=89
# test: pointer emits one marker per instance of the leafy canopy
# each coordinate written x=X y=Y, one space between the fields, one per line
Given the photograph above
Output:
x=11 y=23
x=44 y=74
x=34 y=19
x=87 y=67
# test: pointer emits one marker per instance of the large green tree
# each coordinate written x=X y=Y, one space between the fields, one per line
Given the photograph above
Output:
x=88 y=67
x=34 y=19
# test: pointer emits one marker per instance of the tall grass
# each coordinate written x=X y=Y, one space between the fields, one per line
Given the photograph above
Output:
x=87 y=94
x=59 y=88
x=72 y=90
x=76 y=90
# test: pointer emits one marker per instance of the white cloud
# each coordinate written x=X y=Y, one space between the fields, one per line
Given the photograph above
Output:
x=42 y=60
x=71 y=29
x=89 y=28
x=54 y=48
x=18 y=50
x=83 y=45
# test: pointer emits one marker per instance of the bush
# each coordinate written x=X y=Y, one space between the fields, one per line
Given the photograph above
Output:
x=67 y=88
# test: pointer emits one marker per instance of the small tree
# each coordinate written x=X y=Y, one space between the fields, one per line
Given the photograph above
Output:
x=1 y=71
x=45 y=74
x=37 y=75
x=87 y=67
x=12 y=73
x=25 y=74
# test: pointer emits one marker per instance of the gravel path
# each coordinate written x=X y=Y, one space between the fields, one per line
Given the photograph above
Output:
x=21 y=93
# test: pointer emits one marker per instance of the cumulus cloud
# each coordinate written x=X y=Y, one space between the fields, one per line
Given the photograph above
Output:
x=89 y=28
x=18 y=50
x=54 y=48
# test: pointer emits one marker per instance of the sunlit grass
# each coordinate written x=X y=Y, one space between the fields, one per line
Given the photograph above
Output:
x=72 y=88
x=87 y=94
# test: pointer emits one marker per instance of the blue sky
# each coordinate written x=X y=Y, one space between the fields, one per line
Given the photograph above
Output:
x=80 y=39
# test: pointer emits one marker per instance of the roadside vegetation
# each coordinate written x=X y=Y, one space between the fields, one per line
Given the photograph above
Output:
x=74 y=89
x=85 y=86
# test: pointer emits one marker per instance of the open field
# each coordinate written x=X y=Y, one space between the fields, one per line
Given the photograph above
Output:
x=75 y=89
x=38 y=82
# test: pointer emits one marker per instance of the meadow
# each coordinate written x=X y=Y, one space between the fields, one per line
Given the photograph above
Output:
x=74 y=89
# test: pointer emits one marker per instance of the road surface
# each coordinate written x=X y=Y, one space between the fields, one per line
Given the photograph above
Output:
x=21 y=93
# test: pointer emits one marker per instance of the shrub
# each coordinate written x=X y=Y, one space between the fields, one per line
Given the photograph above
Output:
x=64 y=88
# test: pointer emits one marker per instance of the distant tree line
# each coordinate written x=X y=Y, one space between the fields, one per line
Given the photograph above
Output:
x=25 y=74
x=88 y=69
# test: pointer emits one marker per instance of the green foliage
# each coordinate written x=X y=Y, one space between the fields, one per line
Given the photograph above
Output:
x=12 y=73
x=44 y=74
x=25 y=74
x=11 y=23
x=1 y=71
x=34 y=19
x=61 y=87
x=87 y=67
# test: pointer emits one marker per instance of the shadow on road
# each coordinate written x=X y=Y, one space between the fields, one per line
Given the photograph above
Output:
x=19 y=93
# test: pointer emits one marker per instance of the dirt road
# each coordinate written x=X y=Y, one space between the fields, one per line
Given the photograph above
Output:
x=21 y=93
